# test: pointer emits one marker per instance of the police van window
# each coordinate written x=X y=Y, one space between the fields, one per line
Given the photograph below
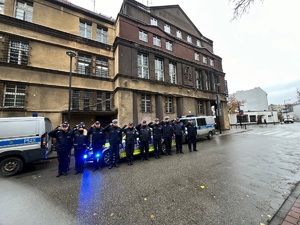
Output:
x=201 y=122
x=184 y=121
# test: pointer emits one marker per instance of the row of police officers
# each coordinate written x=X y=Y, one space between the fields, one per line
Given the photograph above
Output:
x=81 y=138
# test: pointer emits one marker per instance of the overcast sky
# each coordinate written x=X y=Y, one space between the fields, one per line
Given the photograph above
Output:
x=260 y=49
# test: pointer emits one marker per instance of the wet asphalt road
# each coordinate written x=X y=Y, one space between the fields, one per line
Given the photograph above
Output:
x=241 y=178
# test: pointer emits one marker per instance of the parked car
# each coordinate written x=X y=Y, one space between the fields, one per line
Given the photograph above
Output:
x=23 y=140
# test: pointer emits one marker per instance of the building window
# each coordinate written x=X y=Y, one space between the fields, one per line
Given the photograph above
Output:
x=24 y=10
x=99 y=101
x=159 y=69
x=75 y=100
x=102 y=35
x=208 y=82
x=14 y=96
x=102 y=68
x=84 y=64
x=143 y=67
x=200 y=107
x=2 y=6
x=199 y=83
x=143 y=36
x=179 y=34
x=18 y=52
x=85 y=29
x=86 y=100
x=146 y=103
x=198 y=43
x=167 y=28
x=205 y=59
x=212 y=62
x=197 y=56
x=173 y=73
x=169 y=105
x=153 y=21
x=108 y=102
x=156 y=41
x=189 y=39
x=169 y=45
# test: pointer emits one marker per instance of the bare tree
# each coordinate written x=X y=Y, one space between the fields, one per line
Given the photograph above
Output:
x=233 y=104
x=298 y=94
x=241 y=7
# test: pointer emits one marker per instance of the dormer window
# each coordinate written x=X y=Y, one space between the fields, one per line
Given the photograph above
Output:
x=189 y=39
x=198 y=43
x=167 y=28
x=179 y=34
x=153 y=21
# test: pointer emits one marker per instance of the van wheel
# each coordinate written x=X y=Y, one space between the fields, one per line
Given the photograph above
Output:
x=105 y=158
x=210 y=135
x=10 y=166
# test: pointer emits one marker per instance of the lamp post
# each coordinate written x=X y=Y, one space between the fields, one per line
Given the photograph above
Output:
x=71 y=54
x=218 y=111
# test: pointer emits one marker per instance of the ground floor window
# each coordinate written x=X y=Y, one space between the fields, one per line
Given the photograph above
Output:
x=14 y=96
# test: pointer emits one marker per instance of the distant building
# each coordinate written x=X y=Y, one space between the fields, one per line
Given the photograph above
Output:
x=255 y=99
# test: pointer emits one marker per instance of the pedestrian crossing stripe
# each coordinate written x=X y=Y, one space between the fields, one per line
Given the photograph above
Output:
x=276 y=133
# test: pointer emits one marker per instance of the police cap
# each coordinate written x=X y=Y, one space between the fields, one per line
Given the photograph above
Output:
x=114 y=121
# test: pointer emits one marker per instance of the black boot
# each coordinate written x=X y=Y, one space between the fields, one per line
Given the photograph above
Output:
x=110 y=166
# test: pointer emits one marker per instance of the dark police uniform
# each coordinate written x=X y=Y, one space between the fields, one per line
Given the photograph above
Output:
x=179 y=129
x=63 y=146
x=144 y=138
x=157 y=132
x=130 y=141
x=80 y=143
x=192 y=135
x=168 y=132
x=98 y=141
x=115 y=139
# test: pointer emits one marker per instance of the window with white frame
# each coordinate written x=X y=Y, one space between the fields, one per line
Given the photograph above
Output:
x=179 y=34
x=24 y=10
x=205 y=59
x=84 y=64
x=169 y=45
x=2 y=6
x=199 y=83
x=86 y=100
x=101 y=67
x=189 y=39
x=102 y=35
x=159 y=69
x=146 y=103
x=153 y=21
x=197 y=56
x=169 y=105
x=208 y=82
x=85 y=29
x=14 y=96
x=156 y=41
x=167 y=28
x=173 y=73
x=18 y=51
x=212 y=62
x=143 y=36
x=198 y=43
x=205 y=81
x=143 y=66
x=200 y=109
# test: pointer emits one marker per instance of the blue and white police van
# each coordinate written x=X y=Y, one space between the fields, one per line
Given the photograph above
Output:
x=23 y=140
x=205 y=126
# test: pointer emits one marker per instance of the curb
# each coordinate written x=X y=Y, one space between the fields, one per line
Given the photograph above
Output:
x=286 y=207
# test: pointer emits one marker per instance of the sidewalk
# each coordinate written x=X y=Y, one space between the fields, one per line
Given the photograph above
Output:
x=289 y=212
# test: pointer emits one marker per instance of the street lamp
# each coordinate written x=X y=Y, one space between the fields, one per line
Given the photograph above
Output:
x=218 y=111
x=71 y=54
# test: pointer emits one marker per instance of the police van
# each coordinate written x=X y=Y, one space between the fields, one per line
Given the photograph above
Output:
x=205 y=126
x=23 y=140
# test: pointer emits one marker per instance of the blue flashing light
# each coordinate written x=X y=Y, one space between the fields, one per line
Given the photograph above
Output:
x=97 y=155
x=85 y=156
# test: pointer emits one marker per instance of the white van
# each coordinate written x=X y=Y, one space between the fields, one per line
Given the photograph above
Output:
x=23 y=140
x=205 y=126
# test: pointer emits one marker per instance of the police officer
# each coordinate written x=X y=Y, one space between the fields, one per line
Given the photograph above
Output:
x=157 y=132
x=98 y=141
x=130 y=141
x=144 y=138
x=179 y=129
x=192 y=135
x=168 y=132
x=80 y=143
x=63 y=146
x=115 y=139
